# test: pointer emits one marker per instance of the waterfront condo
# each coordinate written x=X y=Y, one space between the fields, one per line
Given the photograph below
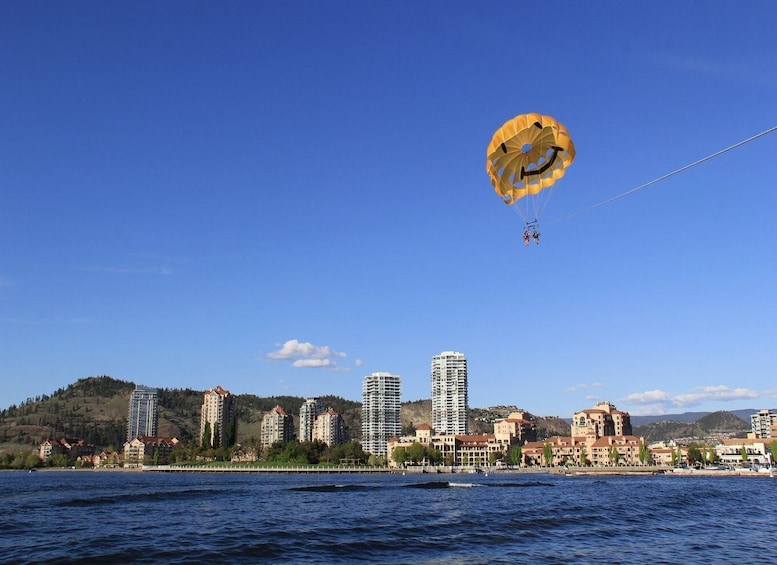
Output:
x=450 y=407
x=380 y=411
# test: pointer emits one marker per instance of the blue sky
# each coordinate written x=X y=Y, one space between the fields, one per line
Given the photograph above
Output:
x=282 y=198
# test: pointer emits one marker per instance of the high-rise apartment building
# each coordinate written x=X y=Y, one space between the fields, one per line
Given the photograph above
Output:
x=142 y=415
x=218 y=418
x=380 y=411
x=277 y=426
x=764 y=424
x=311 y=408
x=450 y=406
x=329 y=428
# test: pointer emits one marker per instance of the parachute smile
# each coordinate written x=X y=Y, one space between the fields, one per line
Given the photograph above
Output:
x=545 y=167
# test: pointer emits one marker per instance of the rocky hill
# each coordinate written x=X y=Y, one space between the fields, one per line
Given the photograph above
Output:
x=708 y=429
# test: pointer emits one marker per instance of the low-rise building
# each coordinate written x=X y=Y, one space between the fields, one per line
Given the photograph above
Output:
x=459 y=449
x=72 y=448
x=588 y=450
x=744 y=451
x=517 y=427
x=667 y=453
x=148 y=450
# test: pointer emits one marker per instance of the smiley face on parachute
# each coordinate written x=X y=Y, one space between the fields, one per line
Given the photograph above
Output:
x=528 y=154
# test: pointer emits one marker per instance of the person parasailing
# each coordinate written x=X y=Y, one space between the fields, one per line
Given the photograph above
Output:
x=526 y=156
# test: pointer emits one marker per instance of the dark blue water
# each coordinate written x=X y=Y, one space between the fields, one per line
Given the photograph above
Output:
x=104 y=517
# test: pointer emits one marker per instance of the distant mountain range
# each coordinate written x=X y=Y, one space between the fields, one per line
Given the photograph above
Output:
x=743 y=415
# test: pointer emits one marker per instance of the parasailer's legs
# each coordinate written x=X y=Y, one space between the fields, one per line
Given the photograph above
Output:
x=531 y=232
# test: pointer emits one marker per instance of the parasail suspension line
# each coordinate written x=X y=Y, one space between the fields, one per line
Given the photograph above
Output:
x=666 y=176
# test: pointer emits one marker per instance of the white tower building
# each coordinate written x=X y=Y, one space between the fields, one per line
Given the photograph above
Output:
x=450 y=407
x=380 y=412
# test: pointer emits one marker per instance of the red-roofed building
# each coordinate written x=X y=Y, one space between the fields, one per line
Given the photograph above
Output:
x=459 y=449
x=277 y=426
x=148 y=450
x=72 y=448
x=218 y=418
x=603 y=420
x=517 y=427
x=329 y=428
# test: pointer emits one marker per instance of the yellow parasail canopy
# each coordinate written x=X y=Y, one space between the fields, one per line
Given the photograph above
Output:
x=527 y=155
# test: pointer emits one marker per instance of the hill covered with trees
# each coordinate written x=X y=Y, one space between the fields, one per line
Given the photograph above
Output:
x=95 y=409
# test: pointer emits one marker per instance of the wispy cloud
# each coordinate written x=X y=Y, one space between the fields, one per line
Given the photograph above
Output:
x=659 y=401
x=717 y=393
x=715 y=68
x=307 y=355
x=47 y=322
x=584 y=386
x=163 y=271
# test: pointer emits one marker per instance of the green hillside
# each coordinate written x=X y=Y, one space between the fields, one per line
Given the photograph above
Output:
x=95 y=409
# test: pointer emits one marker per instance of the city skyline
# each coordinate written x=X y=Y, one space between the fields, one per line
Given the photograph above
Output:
x=288 y=198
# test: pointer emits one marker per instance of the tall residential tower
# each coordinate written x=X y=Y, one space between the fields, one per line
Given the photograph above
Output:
x=380 y=412
x=311 y=408
x=450 y=407
x=277 y=426
x=142 y=414
x=218 y=420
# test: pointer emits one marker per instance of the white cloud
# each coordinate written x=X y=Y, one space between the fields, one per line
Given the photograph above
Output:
x=164 y=271
x=358 y=362
x=306 y=355
x=584 y=386
x=719 y=393
x=312 y=363
x=648 y=397
x=658 y=401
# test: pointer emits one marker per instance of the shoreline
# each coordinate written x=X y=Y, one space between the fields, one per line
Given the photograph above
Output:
x=564 y=472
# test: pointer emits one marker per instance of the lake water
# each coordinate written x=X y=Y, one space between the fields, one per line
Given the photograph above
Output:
x=116 y=517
